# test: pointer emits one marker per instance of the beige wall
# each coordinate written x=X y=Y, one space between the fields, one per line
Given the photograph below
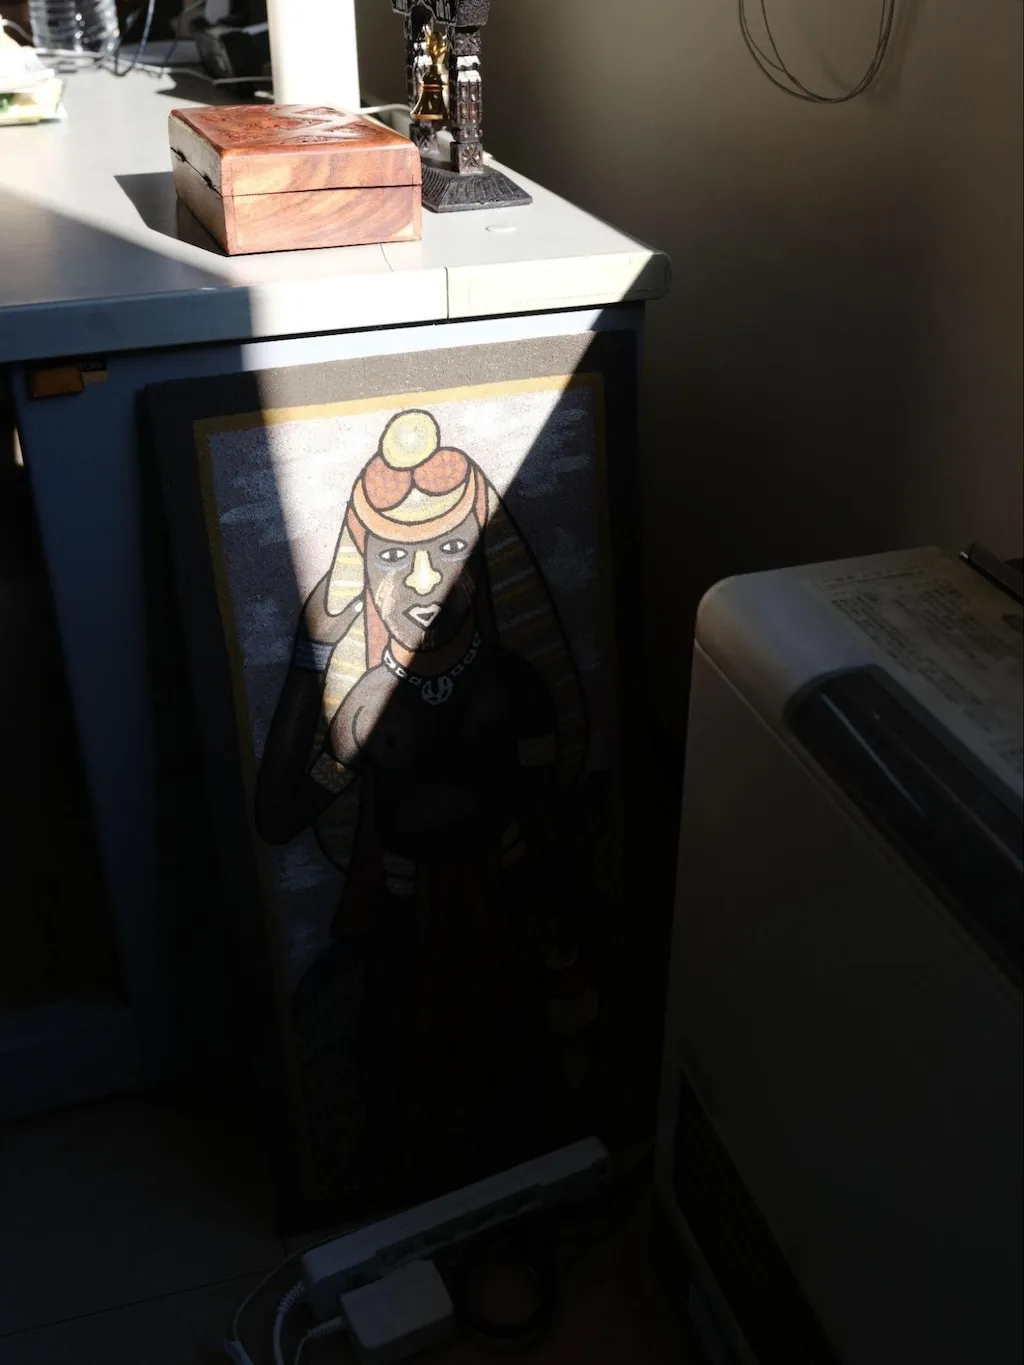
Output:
x=839 y=365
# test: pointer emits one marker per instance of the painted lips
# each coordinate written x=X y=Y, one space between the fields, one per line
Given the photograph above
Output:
x=424 y=614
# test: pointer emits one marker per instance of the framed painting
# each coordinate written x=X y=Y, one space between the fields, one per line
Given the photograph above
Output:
x=407 y=593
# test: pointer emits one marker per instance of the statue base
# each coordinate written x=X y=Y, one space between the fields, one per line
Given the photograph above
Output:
x=448 y=191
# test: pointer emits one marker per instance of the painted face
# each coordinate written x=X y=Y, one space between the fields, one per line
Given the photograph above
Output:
x=423 y=591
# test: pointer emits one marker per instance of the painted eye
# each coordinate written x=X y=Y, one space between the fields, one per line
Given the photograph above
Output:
x=454 y=547
x=393 y=554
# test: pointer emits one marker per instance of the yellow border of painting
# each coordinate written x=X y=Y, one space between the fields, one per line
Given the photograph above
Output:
x=209 y=426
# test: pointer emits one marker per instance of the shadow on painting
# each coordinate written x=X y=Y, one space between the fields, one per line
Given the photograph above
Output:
x=397 y=578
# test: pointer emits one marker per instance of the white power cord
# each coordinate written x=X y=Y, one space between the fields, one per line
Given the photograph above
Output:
x=234 y=1346
x=383 y=108
x=295 y=1295
x=9 y=23
x=330 y=1328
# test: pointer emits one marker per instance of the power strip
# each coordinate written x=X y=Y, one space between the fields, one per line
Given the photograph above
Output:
x=359 y=1258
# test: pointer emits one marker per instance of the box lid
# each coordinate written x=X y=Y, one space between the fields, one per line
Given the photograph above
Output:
x=273 y=148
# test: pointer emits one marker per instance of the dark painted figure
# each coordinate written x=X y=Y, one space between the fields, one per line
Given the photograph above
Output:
x=431 y=729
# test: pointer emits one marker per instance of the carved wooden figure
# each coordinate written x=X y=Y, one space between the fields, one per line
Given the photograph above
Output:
x=467 y=182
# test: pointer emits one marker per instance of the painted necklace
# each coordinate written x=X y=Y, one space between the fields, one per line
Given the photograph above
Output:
x=436 y=689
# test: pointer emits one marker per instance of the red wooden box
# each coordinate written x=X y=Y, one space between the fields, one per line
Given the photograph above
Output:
x=283 y=177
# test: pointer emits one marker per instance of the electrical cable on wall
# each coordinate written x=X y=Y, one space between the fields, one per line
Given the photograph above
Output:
x=774 y=68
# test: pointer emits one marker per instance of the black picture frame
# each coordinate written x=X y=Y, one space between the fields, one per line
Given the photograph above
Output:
x=208 y=834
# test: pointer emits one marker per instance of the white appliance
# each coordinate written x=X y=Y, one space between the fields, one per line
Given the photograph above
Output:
x=840 y=1140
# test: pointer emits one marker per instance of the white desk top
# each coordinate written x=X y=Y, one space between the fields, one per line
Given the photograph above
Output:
x=91 y=259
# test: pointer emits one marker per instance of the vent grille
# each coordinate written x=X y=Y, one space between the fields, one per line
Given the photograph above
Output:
x=762 y=1291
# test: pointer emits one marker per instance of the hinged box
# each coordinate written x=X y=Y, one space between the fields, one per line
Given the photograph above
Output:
x=287 y=177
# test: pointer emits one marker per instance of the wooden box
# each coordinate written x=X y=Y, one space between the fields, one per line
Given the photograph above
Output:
x=289 y=176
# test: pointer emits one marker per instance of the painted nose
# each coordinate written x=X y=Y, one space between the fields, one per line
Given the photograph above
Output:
x=424 y=577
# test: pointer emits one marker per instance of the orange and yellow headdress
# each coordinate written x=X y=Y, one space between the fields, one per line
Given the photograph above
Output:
x=414 y=489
